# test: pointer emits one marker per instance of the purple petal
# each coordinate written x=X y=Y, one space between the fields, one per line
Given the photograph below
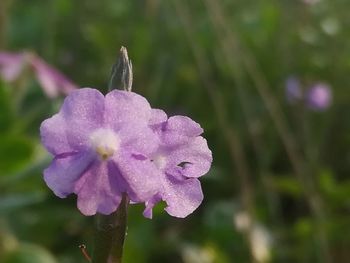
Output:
x=98 y=190
x=182 y=196
x=140 y=175
x=138 y=138
x=180 y=129
x=11 y=65
x=191 y=160
x=124 y=107
x=65 y=170
x=53 y=135
x=148 y=213
x=51 y=80
x=81 y=113
x=158 y=117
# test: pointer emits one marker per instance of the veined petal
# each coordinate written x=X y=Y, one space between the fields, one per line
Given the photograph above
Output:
x=180 y=129
x=126 y=107
x=53 y=135
x=140 y=175
x=84 y=107
x=191 y=160
x=98 y=190
x=138 y=138
x=182 y=196
x=65 y=170
x=158 y=117
x=81 y=113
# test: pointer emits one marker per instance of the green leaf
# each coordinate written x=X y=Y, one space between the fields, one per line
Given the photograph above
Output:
x=15 y=151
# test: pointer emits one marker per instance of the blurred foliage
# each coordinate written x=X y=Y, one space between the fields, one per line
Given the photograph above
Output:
x=211 y=60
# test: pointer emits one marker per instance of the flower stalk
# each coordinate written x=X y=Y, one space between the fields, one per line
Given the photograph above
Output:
x=110 y=230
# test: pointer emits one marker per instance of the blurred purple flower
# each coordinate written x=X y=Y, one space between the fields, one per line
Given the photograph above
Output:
x=100 y=144
x=50 y=79
x=11 y=65
x=181 y=157
x=294 y=92
x=319 y=97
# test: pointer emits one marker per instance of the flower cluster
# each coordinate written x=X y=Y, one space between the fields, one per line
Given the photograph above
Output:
x=105 y=146
x=50 y=79
x=317 y=97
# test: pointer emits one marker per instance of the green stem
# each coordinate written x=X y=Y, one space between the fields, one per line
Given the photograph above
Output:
x=110 y=231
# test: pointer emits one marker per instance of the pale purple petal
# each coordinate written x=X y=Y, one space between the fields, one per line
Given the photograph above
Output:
x=148 y=212
x=140 y=175
x=65 y=170
x=11 y=65
x=124 y=107
x=98 y=191
x=191 y=160
x=179 y=129
x=51 y=80
x=84 y=107
x=138 y=138
x=181 y=196
x=53 y=135
x=158 y=117
x=82 y=112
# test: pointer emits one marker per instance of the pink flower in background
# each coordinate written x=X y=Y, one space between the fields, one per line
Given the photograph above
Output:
x=50 y=79
x=11 y=65
x=319 y=97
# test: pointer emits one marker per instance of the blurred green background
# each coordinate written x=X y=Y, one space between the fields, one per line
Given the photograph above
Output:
x=279 y=188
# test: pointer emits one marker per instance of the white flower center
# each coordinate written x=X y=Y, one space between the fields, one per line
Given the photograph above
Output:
x=159 y=161
x=105 y=142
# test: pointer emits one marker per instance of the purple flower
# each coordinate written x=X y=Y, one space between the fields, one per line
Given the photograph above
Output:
x=51 y=80
x=319 y=97
x=100 y=146
x=11 y=65
x=181 y=157
x=294 y=92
